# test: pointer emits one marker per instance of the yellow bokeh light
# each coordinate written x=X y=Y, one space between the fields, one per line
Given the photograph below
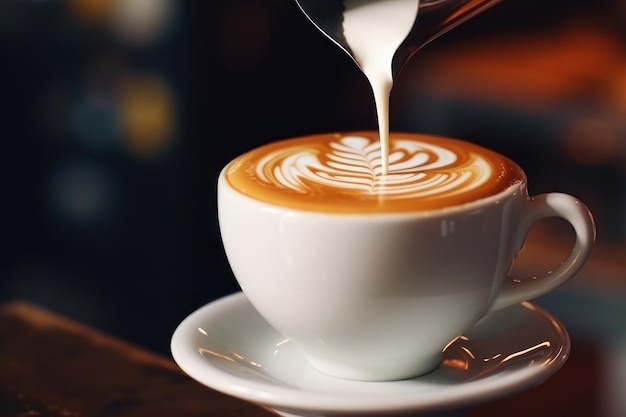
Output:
x=147 y=116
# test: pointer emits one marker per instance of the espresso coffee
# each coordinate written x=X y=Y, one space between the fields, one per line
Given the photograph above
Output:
x=342 y=173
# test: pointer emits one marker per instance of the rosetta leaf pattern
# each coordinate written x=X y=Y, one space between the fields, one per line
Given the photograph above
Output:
x=354 y=165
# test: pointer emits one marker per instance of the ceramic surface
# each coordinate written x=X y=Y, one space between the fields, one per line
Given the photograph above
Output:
x=229 y=347
x=377 y=296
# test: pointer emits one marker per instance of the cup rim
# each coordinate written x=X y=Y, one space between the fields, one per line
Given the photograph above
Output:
x=515 y=189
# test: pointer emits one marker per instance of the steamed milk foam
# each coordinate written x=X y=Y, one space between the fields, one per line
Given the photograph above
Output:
x=341 y=173
x=374 y=30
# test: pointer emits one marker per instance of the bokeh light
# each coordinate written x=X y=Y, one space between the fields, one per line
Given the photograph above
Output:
x=93 y=123
x=140 y=21
x=616 y=92
x=591 y=141
x=147 y=115
x=81 y=193
x=137 y=22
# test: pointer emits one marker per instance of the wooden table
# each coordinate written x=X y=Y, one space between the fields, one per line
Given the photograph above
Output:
x=51 y=366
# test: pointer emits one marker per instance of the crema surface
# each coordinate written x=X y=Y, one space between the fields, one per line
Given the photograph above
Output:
x=343 y=173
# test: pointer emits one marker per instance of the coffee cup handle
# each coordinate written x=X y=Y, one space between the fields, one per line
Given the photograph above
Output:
x=540 y=207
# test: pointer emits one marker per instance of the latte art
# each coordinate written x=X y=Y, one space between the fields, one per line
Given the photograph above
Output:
x=354 y=166
x=343 y=173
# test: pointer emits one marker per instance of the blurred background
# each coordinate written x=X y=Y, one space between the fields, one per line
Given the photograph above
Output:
x=117 y=115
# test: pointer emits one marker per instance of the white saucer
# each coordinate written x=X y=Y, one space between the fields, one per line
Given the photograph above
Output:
x=227 y=346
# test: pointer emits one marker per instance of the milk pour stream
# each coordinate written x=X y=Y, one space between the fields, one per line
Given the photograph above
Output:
x=374 y=30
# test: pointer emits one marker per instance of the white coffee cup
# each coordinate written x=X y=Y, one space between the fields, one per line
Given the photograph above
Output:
x=379 y=295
